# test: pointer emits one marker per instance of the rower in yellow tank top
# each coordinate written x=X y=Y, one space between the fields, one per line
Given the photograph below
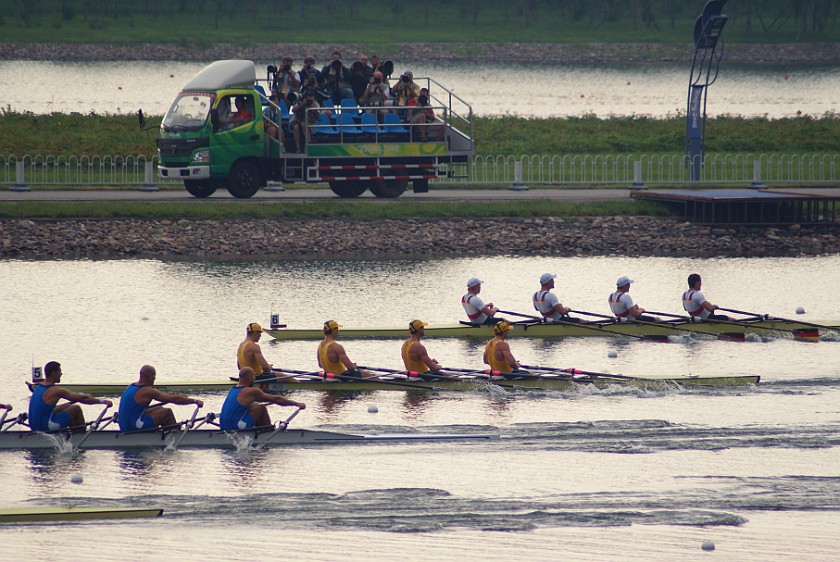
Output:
x=333 y=359
x=414 y=355
x=497 y=352
x=334 y=367
x=249 y=354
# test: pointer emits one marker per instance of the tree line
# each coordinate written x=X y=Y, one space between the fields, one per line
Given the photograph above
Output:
x=805 y=19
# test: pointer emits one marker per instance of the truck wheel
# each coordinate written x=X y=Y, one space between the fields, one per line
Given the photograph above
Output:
x=348 y=189
x=244 y=180
x=389 y=189
x=200 y=188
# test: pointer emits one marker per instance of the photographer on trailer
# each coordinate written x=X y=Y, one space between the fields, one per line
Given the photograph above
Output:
x=286 y=81
x=302 y=117
x=338 y=79
x=404 y=91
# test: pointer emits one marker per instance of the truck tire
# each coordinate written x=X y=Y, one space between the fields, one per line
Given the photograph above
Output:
x=348 y=189
x=388 y=189
x=244 y=180
x=200 y=188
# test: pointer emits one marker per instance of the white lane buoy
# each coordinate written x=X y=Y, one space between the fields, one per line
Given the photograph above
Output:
x=372 y=409
x=800 y=310
x=708 y=545
x=612 y=353
x=77 y=479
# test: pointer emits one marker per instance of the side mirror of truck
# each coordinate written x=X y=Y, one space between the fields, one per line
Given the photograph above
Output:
x=214 y=118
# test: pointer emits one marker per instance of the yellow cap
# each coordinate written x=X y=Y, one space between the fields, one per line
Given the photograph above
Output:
x=502 y=326
x=415 y=325
x=254 y=327
x=331 y=325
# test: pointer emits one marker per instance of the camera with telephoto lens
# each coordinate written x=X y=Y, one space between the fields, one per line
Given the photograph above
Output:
x=405 y=79
x=377 y=80
x=336 y=65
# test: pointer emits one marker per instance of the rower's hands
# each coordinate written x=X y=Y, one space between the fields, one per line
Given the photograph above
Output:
x=199 y=403
x=107 y=403
x=7 y=407
x=300 y=405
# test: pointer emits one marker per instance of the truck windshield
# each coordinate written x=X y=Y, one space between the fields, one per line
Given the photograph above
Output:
x=188 y=112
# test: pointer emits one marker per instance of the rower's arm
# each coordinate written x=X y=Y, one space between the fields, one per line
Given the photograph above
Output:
x=343 y=358
x=560 y=309
x=79 y=397
x=709 y=306
x=504 y=349
x=261 y=396
x=169 y=398
x=260 y=359
x=428 y=361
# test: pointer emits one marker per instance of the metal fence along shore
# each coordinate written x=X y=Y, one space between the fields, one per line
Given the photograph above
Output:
x=21 y=172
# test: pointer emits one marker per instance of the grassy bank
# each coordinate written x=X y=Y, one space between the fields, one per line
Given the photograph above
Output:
x=61 y=134
x=332 y=209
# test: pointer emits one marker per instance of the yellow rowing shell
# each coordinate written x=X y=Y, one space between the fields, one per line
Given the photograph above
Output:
x=546 y=382
x=35 y=514
x=539 y=330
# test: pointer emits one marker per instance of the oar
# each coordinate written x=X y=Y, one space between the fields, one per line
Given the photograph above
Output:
x=662 y=338
x=594 y=314
x=3 y=417
x=580 y=372
x=281 y=426
x=410 y=374
x=345 y=378
x=768 y=317
x=92 y=426
x=187 y=427
x=519 y=314
x=726 y=336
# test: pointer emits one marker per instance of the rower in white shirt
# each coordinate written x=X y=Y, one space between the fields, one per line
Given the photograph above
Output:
x=547 y=304
x=477 y=311
x=696 y=304
x=622 y=305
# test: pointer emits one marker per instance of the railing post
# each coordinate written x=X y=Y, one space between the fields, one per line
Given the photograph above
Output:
x=757 y=183
x=148 y=183
x=20 y=180
x=637 y=176
x=517 y=177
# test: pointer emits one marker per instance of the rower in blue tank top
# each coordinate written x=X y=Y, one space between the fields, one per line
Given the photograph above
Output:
x=244 y=408
x=136 y=413
x=46 y=414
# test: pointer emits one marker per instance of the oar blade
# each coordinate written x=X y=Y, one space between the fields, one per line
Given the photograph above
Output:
x=732 y=336
x=660 y=338
x=806 y=334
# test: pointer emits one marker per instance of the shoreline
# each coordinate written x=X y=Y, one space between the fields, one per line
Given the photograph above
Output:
x=554 y=53
x=307 y=239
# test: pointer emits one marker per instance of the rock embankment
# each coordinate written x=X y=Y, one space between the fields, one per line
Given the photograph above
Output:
x=309 y=239
x=557 y=53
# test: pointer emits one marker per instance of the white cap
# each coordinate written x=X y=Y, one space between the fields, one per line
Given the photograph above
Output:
x=622 y=281
x=546 y=277
x=408 y=73
x=473 y=281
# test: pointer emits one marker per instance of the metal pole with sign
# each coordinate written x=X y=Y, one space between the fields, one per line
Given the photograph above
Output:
x=704 y=72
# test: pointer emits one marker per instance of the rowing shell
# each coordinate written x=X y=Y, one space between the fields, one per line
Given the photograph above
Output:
x=547 y=382
x=36 y=514
x=539 y=330
x=206 y=438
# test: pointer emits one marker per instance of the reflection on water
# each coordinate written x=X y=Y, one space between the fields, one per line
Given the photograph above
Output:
x=533 y=90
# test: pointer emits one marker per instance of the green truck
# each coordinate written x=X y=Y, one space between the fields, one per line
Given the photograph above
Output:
x=215 y=135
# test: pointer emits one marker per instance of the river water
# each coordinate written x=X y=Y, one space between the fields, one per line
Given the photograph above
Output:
x=583 y=474
x=529 y=90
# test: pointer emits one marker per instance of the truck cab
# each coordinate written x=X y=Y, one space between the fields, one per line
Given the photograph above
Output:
x=214 y=135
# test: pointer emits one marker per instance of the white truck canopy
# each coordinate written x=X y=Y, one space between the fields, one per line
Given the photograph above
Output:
x=224 y=74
